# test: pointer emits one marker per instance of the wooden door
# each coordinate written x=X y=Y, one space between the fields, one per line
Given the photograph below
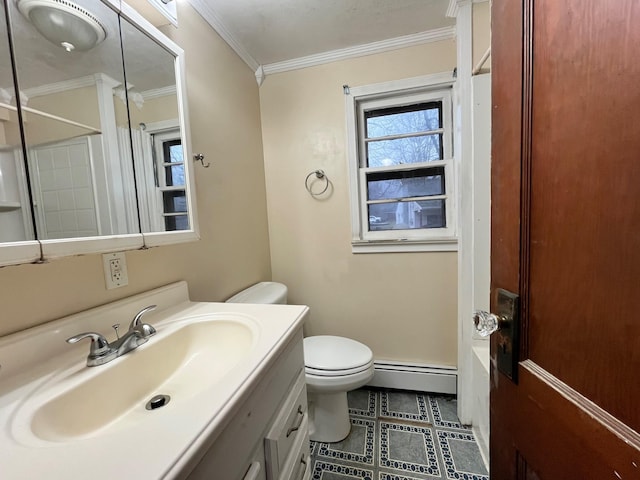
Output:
x=566 y=236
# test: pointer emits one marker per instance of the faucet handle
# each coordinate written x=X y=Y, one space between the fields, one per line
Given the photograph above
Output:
x=145 y=329
x=99 y=344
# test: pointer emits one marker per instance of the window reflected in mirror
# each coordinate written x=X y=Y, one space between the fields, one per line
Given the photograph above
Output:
x=155 y=132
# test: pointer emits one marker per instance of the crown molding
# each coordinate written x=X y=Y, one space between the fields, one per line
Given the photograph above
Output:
x=80 y=82
x=452 y=9
x=206 y=12
x=159 y=92
x=435 y=35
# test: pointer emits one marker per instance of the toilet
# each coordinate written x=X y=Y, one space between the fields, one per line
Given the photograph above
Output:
x=333 y=366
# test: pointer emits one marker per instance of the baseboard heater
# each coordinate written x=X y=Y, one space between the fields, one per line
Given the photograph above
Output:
x=409 y=376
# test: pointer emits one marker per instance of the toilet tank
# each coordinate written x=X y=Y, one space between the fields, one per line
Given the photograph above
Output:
x=263 y=292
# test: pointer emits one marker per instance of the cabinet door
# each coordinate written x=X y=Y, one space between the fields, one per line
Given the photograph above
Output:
x=290 y=425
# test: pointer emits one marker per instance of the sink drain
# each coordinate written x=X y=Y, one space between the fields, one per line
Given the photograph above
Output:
x=157 y=401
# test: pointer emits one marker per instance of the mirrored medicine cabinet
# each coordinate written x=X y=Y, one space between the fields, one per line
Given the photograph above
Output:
x=94 y=139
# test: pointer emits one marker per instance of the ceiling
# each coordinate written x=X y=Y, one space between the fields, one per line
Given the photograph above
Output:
x=273 y=31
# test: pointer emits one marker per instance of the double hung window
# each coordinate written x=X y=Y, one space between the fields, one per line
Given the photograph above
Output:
x=403 y=180
x=170 y=177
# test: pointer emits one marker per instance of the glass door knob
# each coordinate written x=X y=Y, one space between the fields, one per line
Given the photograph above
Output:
x=486 y=323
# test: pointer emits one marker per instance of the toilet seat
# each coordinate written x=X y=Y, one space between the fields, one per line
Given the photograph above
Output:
x=331 y=356
x=337 y=373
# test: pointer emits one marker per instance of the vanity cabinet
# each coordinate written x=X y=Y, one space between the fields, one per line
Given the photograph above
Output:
x=267 y=438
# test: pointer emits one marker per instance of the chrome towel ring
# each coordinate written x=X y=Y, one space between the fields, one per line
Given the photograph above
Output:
x=320 y=175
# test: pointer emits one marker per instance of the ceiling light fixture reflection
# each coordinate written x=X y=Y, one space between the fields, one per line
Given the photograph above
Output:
x=64 y=23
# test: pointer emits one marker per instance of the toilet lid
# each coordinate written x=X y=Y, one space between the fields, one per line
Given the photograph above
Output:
x=329 y=353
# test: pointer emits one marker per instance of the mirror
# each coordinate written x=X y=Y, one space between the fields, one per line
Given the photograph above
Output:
x=15 y=216
x=95 y=153
x=155 y=132
x=80 y=175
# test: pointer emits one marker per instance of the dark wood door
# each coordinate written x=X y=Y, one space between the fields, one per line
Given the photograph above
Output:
x=566 y=236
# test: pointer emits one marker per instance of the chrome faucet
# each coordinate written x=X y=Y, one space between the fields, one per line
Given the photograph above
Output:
x=101 y=351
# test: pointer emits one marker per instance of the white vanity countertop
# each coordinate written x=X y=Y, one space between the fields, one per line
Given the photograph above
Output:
x=150 y=444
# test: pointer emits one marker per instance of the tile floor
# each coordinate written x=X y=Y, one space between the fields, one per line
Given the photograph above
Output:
x=398 y=435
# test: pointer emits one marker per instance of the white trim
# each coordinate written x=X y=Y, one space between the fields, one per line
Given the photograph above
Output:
x=436 y=35
x=420 y=241
x=400 y=246
x=64 y=247
x=464 y=157
x=57 y=87
x=204 y=9
x=260 y=75
x=159 y=92
x=454 y=6
x=162 y=125
x=25 y=197
x=431 y=81
x=481 y=381
x=452 y=9
x=13 y=253
x=410 y=376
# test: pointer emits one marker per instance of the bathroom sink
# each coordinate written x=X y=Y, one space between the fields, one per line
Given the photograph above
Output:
x=62 y=419
x=179 y=361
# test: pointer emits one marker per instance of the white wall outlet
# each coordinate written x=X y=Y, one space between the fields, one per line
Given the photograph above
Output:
x=115 y=270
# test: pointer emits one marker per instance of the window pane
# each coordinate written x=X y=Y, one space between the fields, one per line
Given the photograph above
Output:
x=172 y=151
x=174 y=175
x=174 y=202
x=424 y=148
x=179 y=222
x=404 y=184
x=406 y=119
x=407 y=215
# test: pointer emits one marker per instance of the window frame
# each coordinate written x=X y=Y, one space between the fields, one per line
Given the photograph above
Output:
x=411 y=91
x=159 y=139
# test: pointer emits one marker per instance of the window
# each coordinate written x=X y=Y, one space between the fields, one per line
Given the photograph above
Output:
x=169 y=168
x=402 y=169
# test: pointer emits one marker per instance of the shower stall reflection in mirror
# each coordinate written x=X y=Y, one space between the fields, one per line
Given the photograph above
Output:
x=159 y=167
x=71 y=181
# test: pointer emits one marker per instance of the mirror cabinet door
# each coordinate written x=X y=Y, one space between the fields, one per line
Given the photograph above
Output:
x=70 y=72
x=157 y=132
x=15 y=203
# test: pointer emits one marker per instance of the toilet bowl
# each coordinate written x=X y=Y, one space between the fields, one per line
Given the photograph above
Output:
x=333 y=366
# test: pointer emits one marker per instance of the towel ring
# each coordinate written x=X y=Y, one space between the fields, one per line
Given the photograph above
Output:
x=319 y=175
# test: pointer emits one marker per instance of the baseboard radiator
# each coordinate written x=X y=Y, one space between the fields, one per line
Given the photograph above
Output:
x=409 y=376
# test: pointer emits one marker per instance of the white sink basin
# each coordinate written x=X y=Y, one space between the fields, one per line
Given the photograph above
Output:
x=178 y=363
x=62 y=419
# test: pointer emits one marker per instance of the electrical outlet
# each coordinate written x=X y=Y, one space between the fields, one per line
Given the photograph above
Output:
x=115 y=270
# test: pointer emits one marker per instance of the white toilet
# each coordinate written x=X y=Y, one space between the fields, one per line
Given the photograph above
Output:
x=333 y=366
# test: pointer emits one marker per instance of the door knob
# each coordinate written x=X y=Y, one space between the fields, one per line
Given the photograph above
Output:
x=506 y=343
x=486 y=323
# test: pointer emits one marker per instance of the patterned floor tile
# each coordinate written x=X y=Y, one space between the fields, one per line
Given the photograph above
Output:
x=359 y=446
x=334 y=471
x=444 y=412
x=404 y=405
x=363 y=403
x=391 y=439
x=461 y=456
x=408 y=449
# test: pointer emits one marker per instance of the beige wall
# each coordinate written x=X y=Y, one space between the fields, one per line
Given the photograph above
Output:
x=154 y=110
x=402 y=305
x=234 y=249
x=481 y=32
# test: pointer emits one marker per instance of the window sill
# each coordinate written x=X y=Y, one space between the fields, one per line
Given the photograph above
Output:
x=405 y=246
